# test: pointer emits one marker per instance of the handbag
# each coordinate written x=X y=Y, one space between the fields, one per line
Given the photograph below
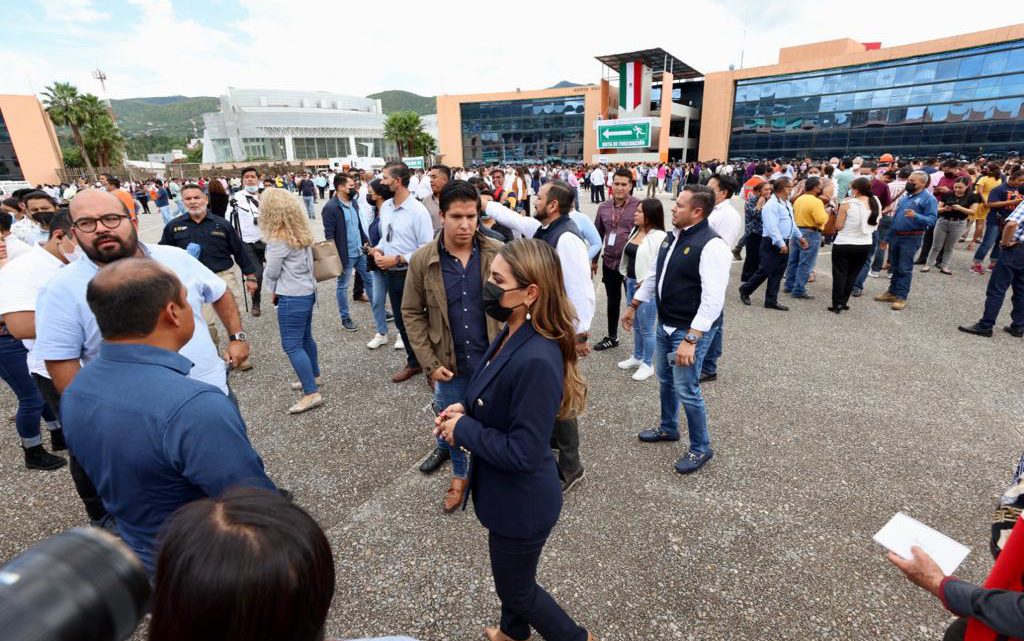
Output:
x=830 y=225
x=326 y=261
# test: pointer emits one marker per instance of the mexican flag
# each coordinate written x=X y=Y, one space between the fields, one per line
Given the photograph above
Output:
x=631 y=76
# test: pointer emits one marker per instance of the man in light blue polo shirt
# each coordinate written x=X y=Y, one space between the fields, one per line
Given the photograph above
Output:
x=405 y=226
x=67 y=334
x=779 y=228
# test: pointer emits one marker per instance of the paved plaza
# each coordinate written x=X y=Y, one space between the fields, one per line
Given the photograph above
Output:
x=823 y=426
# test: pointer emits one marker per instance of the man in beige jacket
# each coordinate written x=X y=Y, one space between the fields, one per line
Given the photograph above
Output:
x=444 y=314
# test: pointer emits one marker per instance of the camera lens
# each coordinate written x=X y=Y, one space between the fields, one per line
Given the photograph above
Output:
x=81 y=585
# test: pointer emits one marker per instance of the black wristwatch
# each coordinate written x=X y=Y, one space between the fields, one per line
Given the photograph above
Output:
x=240 y=336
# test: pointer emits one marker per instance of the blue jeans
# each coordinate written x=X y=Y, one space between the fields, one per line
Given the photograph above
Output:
x=990 y=241
x=902 y=250
x=341 y=289
x=680 y=385
x=869 y=263
x=710 y=365
x=446 y=393
x=801 y=262
x=643 y=326
x=308 y=200
x=378 y=295
x=167 y=214
x=14 y=372
x=1009 y=272
x=295 y=318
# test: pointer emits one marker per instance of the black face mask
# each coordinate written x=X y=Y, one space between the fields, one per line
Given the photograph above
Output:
x=492 y=294
x=353 y=194
x=911 y=188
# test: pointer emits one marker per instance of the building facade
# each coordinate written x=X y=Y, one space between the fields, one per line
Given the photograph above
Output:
x=29 y=149
x=272 y=125
x=961 y=95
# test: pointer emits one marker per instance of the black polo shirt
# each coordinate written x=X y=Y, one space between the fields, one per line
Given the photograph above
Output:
x=220 y=246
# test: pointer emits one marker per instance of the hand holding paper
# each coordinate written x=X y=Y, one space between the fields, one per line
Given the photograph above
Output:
x=902 y=533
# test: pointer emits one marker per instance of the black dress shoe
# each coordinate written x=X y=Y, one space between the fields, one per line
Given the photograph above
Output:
x=1014 y=331
x=707 y=378
x=976 y=329
x=745 y=299
x=835 y=309
x=434 y=461
x=804 y=296
x=781 y=308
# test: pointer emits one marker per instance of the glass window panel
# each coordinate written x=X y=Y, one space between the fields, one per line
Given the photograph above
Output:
x=994 y=63
x=904 y=75
x=862 y=100
x=844 y=101
x=881 y=98
x=914 y=114
x=866 y=80
x=970 y=66
x=783 y=89
x=886 y=77
x=964 y=89
x=947 y=69
x=814 y=85
x=799 y=88
x=925 y=72
x=828 y=103
x=1015 y=59
x=900 y=96
x=942 y=92
x=830 y=84
x=937 y=113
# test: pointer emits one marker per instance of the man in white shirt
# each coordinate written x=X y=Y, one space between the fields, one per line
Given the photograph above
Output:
x=552 y=224
x=597 y=185
x=688 y=281
x=243 y=215
x=728 y=224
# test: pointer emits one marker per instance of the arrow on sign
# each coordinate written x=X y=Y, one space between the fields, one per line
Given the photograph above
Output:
x=614 y=134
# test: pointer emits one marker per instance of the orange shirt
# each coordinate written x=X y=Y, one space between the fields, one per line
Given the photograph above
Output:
x=127 y=199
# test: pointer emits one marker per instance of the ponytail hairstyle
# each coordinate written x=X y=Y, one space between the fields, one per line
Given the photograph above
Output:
x=863 y=187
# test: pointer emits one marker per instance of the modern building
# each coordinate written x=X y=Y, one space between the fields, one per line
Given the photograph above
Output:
x=269 y=125
x=588 y=123
x=29 y=150
x=960 y=95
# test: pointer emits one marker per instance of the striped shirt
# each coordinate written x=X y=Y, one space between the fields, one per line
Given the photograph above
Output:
x=1017 y=217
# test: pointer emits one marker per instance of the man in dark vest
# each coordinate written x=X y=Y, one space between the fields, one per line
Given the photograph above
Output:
x=551 y=223
x=688 y=281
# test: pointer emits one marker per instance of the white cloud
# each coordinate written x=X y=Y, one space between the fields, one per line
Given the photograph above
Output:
x=73 y=11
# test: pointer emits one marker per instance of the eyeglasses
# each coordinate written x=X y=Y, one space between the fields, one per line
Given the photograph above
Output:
x=88 y=225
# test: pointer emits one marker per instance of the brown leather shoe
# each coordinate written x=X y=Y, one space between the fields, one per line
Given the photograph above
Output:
x=362 y=299
x=456 y=493
x=495 y=634
x=406 y=373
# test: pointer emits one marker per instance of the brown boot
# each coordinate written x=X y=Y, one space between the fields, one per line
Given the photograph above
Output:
x=495 y=634
x=456 y=494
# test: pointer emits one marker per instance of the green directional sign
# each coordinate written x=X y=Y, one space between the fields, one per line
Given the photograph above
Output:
x=414 y=162
x=619 y=135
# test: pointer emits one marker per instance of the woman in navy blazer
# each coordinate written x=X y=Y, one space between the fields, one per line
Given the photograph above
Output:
x=528 y=379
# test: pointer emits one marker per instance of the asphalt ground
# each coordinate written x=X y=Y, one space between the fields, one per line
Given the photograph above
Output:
x=823 y=427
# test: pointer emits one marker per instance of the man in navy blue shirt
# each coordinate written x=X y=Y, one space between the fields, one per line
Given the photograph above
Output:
x=308 y=190
x=173 y=439
x=913 y=214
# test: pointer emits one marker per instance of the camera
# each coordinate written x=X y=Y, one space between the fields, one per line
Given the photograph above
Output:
x=81 y=585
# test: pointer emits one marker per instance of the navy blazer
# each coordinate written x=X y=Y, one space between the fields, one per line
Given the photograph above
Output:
x=511 y=405
x=336 y=230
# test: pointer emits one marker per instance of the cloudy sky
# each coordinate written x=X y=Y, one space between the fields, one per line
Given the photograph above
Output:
x=200 y=47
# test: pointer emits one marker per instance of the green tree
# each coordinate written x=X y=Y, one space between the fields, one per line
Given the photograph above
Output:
x=68 y=108
x=403 y=127
x=425 y=145
x=104 y=141
x=195 y=155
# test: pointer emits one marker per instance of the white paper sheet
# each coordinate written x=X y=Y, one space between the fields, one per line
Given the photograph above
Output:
x=903 y=532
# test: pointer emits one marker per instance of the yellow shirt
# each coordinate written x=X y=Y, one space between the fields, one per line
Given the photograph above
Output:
x=985 y=185
x=809 y=211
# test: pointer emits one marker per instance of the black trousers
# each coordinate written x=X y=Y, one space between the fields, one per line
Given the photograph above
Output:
x=566 y=439
x=753 y=257
x=771 y=268
x=259 y=258
x=847 y=261
x=83 y=485
x=524 y=604
x=396 y=287
x=358 y=289
x=597 y=195
x=614 y=286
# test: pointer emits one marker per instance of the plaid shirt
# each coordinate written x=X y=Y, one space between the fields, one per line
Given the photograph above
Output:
x=1017 y=217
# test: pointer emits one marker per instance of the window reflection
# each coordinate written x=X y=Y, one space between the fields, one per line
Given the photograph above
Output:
x=525 y=130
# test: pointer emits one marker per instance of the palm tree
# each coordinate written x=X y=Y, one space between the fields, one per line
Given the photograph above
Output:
x=402 y=127
x=425 y=144
x=105 y=140
x=67 y=109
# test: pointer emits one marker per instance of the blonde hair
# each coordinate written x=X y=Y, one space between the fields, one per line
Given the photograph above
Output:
x=534 y=262
x=282 y=218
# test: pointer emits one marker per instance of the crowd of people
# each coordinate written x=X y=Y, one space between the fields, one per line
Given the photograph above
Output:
x=487 y=275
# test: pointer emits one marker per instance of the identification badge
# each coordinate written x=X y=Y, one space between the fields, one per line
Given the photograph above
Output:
x=611 y=239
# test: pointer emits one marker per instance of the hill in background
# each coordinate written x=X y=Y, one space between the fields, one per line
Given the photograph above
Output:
x=398 y=100
x=170 y=116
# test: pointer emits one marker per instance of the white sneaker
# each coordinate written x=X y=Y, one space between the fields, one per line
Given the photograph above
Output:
x=629 y=363
x=398 y=343
x=873 y=274
x=643 y=372
x=377 y=341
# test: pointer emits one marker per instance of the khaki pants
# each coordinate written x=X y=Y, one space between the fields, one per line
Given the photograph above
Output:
x=230 y=278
